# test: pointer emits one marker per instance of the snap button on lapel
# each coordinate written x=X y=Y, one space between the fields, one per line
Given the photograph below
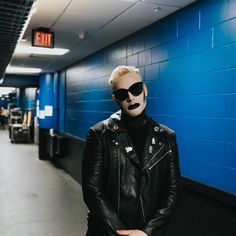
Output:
x=128 y=149
x=150 y=149
x=114 y=141
x=156 y=129
x=115 y=127
x=160 y=143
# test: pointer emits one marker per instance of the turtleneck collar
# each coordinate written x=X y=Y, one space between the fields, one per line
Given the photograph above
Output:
x=135 y=121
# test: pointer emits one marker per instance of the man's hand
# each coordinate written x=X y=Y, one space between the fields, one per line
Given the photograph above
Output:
x=133 y=232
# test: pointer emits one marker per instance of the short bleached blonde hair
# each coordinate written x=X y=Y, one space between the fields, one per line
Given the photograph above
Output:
x=119 y=71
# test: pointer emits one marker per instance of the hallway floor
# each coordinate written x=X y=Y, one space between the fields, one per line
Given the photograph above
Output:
x=36 y=198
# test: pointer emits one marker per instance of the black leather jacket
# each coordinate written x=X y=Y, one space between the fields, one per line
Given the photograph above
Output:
x=121 y=191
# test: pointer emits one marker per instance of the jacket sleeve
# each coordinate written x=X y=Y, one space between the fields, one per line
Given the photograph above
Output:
x=157 y=224
x=93 y=178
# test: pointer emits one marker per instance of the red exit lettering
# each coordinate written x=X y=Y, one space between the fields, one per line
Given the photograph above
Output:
x=43 y=39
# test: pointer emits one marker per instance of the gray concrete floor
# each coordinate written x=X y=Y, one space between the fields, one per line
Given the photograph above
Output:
x=36 y=198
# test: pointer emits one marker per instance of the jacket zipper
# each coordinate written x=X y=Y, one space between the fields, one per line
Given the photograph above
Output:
x=118 y=203
x=150 y=167
x=153 y=156
x=141 y=201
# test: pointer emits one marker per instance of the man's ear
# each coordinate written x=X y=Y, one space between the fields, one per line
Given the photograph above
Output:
x=145 y=90
x=116 y=101
x=113 y=98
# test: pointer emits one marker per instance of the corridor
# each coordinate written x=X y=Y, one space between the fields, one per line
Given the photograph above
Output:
x=36 y=198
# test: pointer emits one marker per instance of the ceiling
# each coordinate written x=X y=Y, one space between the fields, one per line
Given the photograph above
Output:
x=101 y=21
x=13 y=18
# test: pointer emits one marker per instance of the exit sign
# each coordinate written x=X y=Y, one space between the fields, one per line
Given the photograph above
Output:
x=42 y=38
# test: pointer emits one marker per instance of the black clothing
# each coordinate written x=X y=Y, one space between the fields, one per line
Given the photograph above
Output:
x=122 y=191
x=137 y=128
x=134 y=121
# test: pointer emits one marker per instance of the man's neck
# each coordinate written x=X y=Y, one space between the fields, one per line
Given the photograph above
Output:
x=134 y=121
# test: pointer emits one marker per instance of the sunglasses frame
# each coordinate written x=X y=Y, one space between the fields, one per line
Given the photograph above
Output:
x=126 y=95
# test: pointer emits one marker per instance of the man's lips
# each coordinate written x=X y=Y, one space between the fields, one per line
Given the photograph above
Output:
x=133 y=106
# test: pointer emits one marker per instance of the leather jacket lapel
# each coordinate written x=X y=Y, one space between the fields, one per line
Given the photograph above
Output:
x=123 y=140
x=154 y=146
x=127 y=148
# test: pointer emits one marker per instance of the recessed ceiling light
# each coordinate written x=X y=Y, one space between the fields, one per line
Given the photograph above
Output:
x=22 y=70
x=81 y=34
x=156 y=9
x=39 y=50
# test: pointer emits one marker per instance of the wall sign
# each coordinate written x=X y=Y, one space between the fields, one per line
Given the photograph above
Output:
x=42 y=38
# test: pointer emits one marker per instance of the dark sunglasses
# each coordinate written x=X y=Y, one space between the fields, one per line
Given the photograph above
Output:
x=135 y=89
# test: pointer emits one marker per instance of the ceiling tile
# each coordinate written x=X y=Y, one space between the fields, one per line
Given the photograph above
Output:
x=109 y=8
x=146 y=11
x=103 y=21
x=179 y=3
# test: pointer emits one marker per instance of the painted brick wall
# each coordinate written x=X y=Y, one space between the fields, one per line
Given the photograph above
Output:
x=188 y=61
x=61 y=101
x=30 y=98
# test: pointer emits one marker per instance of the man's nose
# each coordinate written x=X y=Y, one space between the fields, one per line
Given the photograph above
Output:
x=130 y=96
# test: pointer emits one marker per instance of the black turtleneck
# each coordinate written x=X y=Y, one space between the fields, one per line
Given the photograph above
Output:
x=137 y=130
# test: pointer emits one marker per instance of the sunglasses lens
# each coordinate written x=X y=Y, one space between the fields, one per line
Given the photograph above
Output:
x=136 y=89
x=121 y=94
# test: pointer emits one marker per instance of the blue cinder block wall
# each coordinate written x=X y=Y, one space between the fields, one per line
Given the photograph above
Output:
x=48 y=90
x=188 y=61
x=30 y=94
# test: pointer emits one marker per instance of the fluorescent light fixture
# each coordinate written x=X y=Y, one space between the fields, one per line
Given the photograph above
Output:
x=22 y=70
x=39 y=50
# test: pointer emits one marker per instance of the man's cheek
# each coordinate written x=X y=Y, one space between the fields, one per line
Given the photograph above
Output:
x=121 y=106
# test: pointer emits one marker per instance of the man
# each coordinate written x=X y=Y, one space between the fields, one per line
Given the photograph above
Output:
x=130 y=170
